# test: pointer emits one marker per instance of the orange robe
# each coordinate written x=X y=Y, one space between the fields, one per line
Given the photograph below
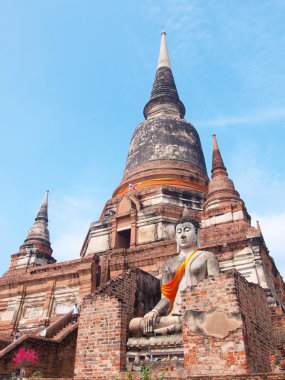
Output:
x=169 y=290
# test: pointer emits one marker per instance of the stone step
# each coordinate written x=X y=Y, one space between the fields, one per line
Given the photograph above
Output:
x=65 y=331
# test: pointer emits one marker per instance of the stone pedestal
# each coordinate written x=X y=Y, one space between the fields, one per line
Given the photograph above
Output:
x=155 y=351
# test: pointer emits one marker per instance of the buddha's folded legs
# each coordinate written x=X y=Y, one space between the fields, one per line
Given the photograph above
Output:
x=163 y=325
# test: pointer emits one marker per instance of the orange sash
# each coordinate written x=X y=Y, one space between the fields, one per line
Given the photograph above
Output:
x=170 y=290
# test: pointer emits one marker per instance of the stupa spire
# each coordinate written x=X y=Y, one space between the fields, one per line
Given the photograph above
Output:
x=224 y=212
x=163 y=58
x=38 y=234
x=165 y=149
x=164 y=98
x=43 y=213
x=221 y=187
x=218 y=166
x=36 y=249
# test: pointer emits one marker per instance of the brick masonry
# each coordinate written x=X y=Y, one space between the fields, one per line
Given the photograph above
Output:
x=44 y=281
x=103 y=328
x=261 y=376
x=278 y=355
x=55 y=359
x=245 y=350
x=28 y=295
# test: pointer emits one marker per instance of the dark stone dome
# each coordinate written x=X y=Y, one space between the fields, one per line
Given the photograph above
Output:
x=165 y=139
x=165 y=149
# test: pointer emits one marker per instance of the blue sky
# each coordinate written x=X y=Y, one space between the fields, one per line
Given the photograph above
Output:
x=75 y=76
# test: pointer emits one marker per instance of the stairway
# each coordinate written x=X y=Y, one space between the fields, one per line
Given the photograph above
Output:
x=49 y=345
x=56 y=332
x=61 y=334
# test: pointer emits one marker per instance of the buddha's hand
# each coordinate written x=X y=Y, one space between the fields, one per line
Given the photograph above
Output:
x=149 y=321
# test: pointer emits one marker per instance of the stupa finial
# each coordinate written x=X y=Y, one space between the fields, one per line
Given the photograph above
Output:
x=163 y=58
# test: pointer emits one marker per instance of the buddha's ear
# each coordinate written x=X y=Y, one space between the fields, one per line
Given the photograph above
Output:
x=198 y=236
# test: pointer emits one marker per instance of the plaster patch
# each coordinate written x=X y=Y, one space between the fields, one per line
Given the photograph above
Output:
x=213 y=323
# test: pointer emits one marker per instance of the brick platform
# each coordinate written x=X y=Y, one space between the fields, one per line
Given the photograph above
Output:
x=244 y=350
x=105 y=316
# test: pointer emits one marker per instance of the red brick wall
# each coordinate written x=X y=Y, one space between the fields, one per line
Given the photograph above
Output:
x=44 y=279
x=258 y=324
x=244 y=350
x=102 y=336
x=55 y=359
x=278 y=355
x=148 y=257
x=224 y=233
x=102 y=341
x=263 y=376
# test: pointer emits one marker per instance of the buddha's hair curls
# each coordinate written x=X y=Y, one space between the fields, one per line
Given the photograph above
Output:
x=187 y=219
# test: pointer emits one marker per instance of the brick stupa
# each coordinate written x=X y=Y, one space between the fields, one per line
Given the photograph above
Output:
x=118 y=272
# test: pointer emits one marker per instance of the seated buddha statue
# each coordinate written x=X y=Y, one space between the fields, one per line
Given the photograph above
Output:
x=190 y=266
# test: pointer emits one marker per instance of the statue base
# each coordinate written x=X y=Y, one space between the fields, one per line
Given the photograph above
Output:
x=156 y=350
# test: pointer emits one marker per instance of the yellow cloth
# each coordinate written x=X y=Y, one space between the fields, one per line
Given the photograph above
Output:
x=170 y=290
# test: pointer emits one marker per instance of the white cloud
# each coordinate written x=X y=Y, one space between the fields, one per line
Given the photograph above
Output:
x=70 y=218
x=224 y=35
x=183 y=18
x=260 y=183
x=67 y=245
x=256 y=118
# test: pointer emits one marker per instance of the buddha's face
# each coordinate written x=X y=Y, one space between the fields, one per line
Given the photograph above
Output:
x=186 y=235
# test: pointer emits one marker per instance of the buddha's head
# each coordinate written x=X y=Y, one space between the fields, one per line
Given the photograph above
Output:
x=186 y=230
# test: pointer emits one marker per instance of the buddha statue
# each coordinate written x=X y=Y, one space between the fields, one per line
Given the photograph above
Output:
x=186 y=269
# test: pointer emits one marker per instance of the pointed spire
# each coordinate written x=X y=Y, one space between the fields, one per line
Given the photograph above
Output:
x=258 y=226
x=221 y=188
x=43 y=213
x=164 y=99
x=38 y=234
x=163 y=58
x=217 y=161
